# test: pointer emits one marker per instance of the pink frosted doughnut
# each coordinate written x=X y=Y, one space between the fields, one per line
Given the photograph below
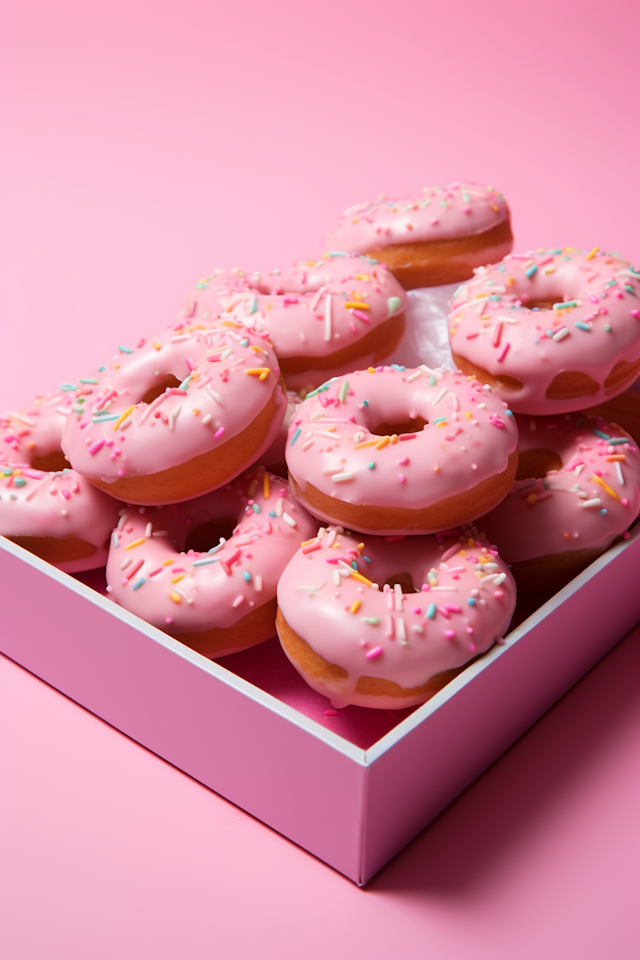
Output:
x=553 y=331
x=381 y=644
x=401 y=451
x=180 y=414
x=576 y=491
x=58 y=515
x=216 y=600
x=32 y=434
x=324 y=317
x=435 y=238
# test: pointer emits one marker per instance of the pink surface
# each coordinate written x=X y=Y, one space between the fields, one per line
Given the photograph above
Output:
x=144 y=143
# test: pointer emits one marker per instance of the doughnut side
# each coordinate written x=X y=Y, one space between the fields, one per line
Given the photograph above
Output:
x=369 y=691
x=68 y=553
x=257 y=626
x=447 y=513
x=554 y=570
x=434 y=262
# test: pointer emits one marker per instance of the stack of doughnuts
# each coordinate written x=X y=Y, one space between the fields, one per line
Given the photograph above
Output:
x=411 y=502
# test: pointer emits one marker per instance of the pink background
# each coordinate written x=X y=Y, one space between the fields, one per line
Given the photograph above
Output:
x=144 y=143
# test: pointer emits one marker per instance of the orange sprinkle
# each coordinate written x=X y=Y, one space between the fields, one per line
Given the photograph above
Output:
x=616 y=456
x=166 y=563
x=266 y=490
x=356 y=305
x=136 y=543
x=261 y=372
x=178 y=578
x=175 y=597
x=592 y=254
x=605 y=486
x=371 y=369
x=355 y=606
x=156 y=345
x=123 y=416
x=358 y=576
x=382 y=443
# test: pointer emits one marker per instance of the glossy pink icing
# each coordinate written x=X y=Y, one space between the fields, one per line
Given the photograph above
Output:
x=61 y=504
x=491 y=326
x=472 y=440
x=438 y=213
x=36 y=430
x=218 y=398
x=466 y=603
x=312 y=309
x=215 y=589
x=587 y=504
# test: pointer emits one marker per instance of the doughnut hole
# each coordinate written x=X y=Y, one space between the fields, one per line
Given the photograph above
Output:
x=570 y=384
x=405 y=580
x=534 y=303
x=621 y=374
x=413 y=425
x=502 y=384
x=537 y=463
x=169 y=380
x=208 y=534
x=50 y=462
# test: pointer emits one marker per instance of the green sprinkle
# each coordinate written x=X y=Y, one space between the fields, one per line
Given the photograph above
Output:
x=599 y=433
x=139 y=583
x=614 y=441
x=365 y=403
x=244 y=343
x=255 y=507
x=374 y=621
x=630 y=290
x=532 y=269
x=88 y=380
x=439 y=420
x=101 y=369
x=371 y=464
x=566 y=305
x=125 y=349
x=272 y=513
x=607 y=327
x=393 y=305
x=343 y=391
x=432 y=381
x=19 y=482
x=185 y=383
x=65 y=387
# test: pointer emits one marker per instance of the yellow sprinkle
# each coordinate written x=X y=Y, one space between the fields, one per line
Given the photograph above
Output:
x=393 y=438
x=549 y=270
x=365 y=443
x=606 y=486
x=436 y=469
x=361 y=276
x=382 y=443
x=468 y=415
x=371 y=369
x=462 y=553
x=355 y=606
x=493 y=207
x=443 y=423
x=592 y=254
x=485 y=316
x=356 y=305
x=136 y=543
x=358 y=576
x=266 y=490
x=305 y=543
x=331 y=429
x=532 y=498
x=123 y=416
x=175 y=597
x=178 y=578
x=230 y=323
x=360 y=547
x=156 y=345
x=256 y=349
x=166 y=563
x=262 y=372
x=195 y=411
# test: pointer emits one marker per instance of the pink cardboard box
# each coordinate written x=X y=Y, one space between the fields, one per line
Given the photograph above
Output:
x=352 y=789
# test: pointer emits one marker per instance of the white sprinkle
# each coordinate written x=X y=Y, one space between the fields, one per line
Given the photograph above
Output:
x=309 y=443
x=302 y=336
x=123 y=519
x=499 y=579
x=401 y=633
x=482 y=406
x=454 y=402
x=62 y=410
x=339 y=477
x=179 y=339
x=561 y=334
x=440 y=397
x=337 y=579
x=327 y=318
x=619 y=472
x=327 y=435
x=226 y=354
x=595 y=502
x=491 y=576
x=414 y=376
x=417 y=628
x=318 y=297
x=207 y=420
x=22 y=418
x=578 y=470
x=279 y=507
x=508 y=319
x=336 y=468
x=214 y=396
x=289 y=520
x=357 y=438
x=148 y=530
x=160 y=533
x=398 y=597
x=33 y=492
x=126 y=563
x=331 y=536
x=443 y=590
x=173 y=416
x=428 y=372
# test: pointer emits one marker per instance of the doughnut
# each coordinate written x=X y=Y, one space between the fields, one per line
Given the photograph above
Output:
x=274 y=458
x=435 y=238
x=396 y=451
x=324 y=317
x=58 y=515
x=416 y=610
x=552 y=331
x=178 y=415
x=206 y=571
x=32 y=435
x=577 y=490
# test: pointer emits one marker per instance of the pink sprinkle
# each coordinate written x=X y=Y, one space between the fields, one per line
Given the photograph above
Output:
x=238 y=600
x=497 y=334
x=331 y=713
x=449 y=634
x=155 y=572
x=636 y=314
x=219 y=432
x=311 y=547
x=66 y=494
x=474 y=466
x=503 y=352
x=417 y=610
x=132 y=570
x=169 y=620
x=372 y=654
x=98 y=445
x=404 y=461
x=401 y=478
x=625 y=502
x=361 y=316
x=190 y=364
x=407 y=436
x=453 y=608
x=470 y=336
x=499 y=594
x=626 y=535
x=425 y=587
x=140 y=343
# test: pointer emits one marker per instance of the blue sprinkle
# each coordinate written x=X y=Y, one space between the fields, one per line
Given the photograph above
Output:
x=255 y=507
x=368 y=559
x=630 y=289
x=295 y=436
x=125 y=349
x=530 y=272
x=582 y=326
x=139 y=582
x=611 y=283
x=509 y=413
x=185 y=383
x=19 y=482
x=244 y=343
x=254 y=308
x=395 y=366
x=599 y=433
x=614 y=441
x=371 y=465
x=101 y=369
x=246 y=575
x=114 y=538
x=338 y=254
x=66 y=469
x=494 y=296
x=471 y=601
x=431 y=611
x=439 y=420
x=602 y=512
x=88 y=380
x=65 y=387
x=550 y=333
x=272 y=513
x=365 y=403
x=110 y=416
x=354 y=564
